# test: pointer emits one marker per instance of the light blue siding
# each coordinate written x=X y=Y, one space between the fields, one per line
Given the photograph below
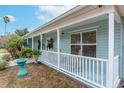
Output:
x=117 y=39
x=117 y=45
x=65 y=41
x=101 y=38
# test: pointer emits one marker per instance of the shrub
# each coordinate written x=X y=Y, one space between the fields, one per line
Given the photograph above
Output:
x=36 y=52
x=13 y=52
x=6 y=57
x=25 y=52
x=3 y=64
x=14 y=44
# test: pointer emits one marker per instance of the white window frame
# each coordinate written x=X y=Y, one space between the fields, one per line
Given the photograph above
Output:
x=81 y=44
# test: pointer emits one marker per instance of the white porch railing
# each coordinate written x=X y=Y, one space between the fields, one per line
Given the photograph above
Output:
x=49 y=57
x=116 y=71
x=92 y=71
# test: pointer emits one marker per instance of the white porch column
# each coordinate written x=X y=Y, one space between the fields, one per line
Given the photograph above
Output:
x=32 y=43
x=41 y=41
x=110 y=50
x=58 y=47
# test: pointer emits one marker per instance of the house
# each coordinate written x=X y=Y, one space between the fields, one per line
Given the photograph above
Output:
x=85 y=43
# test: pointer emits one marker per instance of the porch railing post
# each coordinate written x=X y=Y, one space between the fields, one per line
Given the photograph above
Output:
x=32 y=43
x=58 y=47
x=110 y=50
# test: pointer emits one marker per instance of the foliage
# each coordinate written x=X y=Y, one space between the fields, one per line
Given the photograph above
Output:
x=24 y=52
x=21 y=32
x=36 y=52
x=3 y=41
x=6 y=19
x=3 y=64
x=25 y=43
x=6 y=57
x=13 y=52
x=28 y=52
x=15 y=41
x=50 y=42
x=14 y=44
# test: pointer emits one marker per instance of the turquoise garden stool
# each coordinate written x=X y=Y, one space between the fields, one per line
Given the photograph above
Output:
x=21 y=63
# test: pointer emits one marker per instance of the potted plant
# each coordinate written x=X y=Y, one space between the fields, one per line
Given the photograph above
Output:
x=28 y=53
x=36 y=54
x=25 y=52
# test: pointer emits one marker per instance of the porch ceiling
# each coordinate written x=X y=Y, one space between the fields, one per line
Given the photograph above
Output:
x=99 y=18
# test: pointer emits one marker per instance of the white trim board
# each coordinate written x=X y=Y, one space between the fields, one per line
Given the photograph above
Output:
x=83 y=30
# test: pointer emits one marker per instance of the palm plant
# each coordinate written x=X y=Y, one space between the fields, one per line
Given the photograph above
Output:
x=14 y=44
x=6 y=20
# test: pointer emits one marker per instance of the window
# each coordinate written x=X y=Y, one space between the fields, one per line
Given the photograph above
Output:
x=89 y=37
x=75 y=44
x=84 y=43
x=89 y=50
x=76 y=49
x=75 y=39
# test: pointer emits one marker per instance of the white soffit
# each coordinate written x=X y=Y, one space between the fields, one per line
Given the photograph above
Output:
x=99 y=18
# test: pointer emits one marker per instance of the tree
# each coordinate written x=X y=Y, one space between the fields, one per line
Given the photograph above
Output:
x=14 y=44
x=6 y=20
x=21 y=32
x=3 y=41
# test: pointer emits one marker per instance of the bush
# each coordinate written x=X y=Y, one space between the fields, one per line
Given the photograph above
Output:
x=28 y=52
x=25 y=52
x=3 y=64
x=36 y=52
x=6 y=57
x=14 y=44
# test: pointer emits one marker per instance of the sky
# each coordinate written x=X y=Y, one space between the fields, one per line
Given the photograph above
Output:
x=28 y=16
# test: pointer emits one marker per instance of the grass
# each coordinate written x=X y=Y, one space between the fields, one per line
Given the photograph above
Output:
x=39 y=76
x=2 y=50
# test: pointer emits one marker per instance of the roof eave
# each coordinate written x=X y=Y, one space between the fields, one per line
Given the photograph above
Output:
x=76 y=8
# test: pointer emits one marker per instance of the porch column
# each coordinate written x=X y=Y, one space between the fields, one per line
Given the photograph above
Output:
x=41 y=41
x=32 y=43
x=110 y=49
x=58 y=47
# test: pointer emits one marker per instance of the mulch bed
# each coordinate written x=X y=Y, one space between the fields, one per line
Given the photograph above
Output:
x=39 y=76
